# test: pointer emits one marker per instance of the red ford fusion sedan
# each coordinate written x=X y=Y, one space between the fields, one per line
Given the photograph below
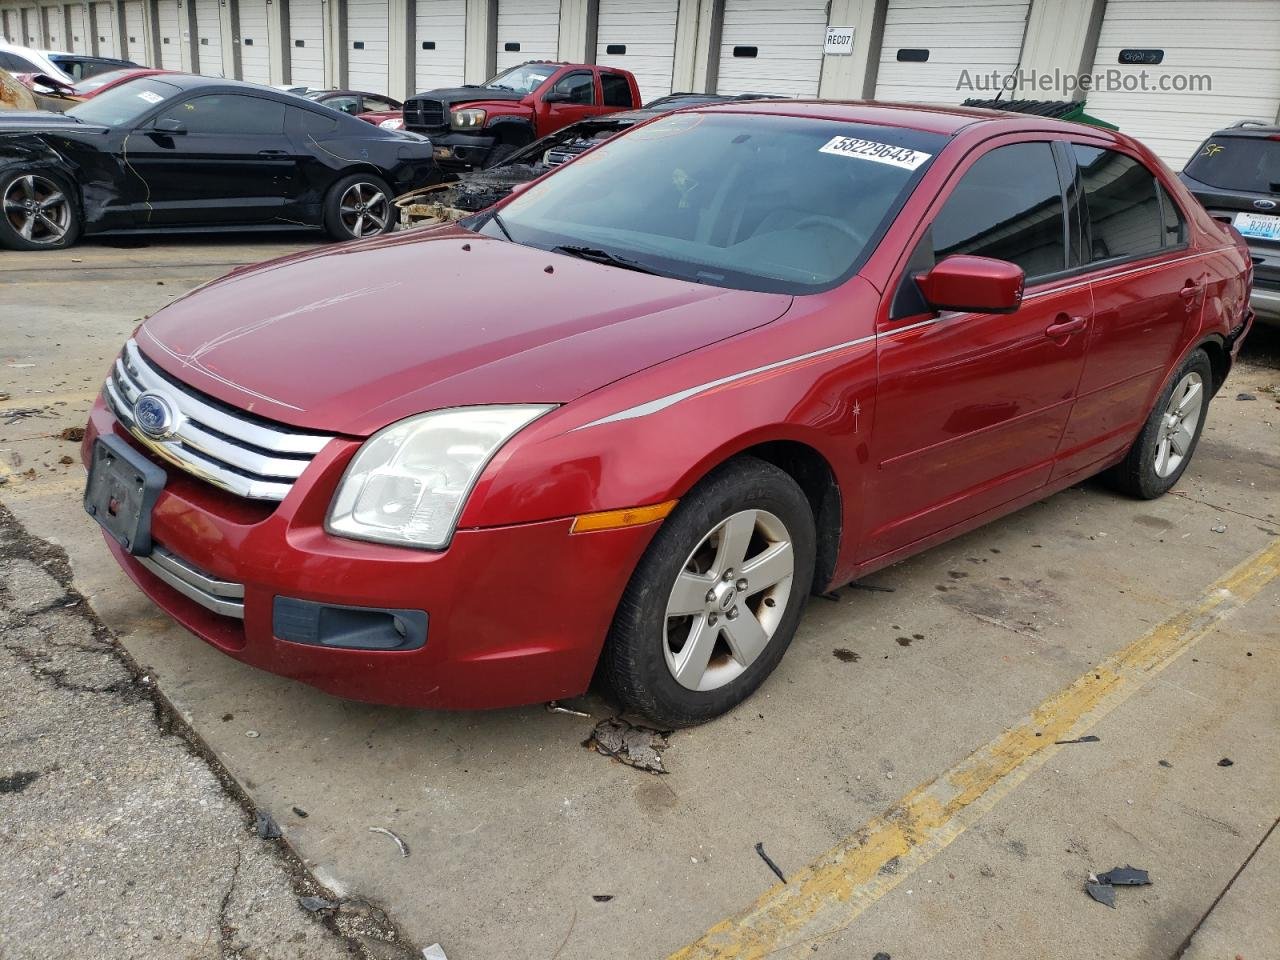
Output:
x=625 y=422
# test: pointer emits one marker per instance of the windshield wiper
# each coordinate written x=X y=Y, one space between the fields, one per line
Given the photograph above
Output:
x=596 y=255
x=497 y=222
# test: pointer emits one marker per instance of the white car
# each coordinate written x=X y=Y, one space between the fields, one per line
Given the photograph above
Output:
x=18 y=59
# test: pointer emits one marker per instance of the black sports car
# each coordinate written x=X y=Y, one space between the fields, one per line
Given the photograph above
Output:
x=180 y=152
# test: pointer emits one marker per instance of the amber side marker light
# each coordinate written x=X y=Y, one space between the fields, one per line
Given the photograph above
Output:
x=630 y=517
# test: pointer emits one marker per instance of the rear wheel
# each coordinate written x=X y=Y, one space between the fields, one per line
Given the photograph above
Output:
x=717 y=597
x=1163 y=449
x=39 y=210
x=359 y=206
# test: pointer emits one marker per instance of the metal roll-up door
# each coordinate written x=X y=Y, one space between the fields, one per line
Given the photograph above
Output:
x=440 y=39
x=209 y=38
x=104 y=25
x=772 y=46
x=55 y=30
x=929 y=44
x=528 y=30
x=32 y=28
x=254 y=41
x=1232 y=42
x=640 y=36
x=170 y=30
x=135 y=41
x=81 y=32
x=367 y=45
x=306 y=43
x=12 y=32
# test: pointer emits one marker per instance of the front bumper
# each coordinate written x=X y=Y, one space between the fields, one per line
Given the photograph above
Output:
x=456 y=152
x=517 y=614
x=1266 y=304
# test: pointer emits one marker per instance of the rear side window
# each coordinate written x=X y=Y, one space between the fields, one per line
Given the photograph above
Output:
x=617 y=92
x=1123 y=204
x=1008 y=205
x=316 y=124
x=1175 y=226
x=1247 y=164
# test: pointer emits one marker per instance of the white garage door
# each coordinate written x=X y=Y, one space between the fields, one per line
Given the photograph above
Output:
x=772 y=46
x=255 y=42
x=1233 y=42
x=104 y=24
x=80 y=30
x=928 y=44
x=170 y=30
x=209 y=38
x=55 y=30
x=528 y=30
x=367 y=45
x=12 y=32
x=32 y=28
x=135 y=44
x=440 y=41
x=306 y=43
x=640 y=36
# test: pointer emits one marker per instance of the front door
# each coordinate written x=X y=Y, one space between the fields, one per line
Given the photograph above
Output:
x=221 y=158
x=971 y=407
x=568 y=100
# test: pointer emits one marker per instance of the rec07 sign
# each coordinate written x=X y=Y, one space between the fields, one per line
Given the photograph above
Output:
x=839 y=42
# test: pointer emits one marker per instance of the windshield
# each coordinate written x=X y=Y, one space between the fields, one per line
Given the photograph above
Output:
x=123 y=104
x=754 y=202
x=99 y=80
x=525 y=78
x=1249 y=164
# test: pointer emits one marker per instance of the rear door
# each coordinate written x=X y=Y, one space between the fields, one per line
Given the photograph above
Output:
x=232 y=164
x=971 y=407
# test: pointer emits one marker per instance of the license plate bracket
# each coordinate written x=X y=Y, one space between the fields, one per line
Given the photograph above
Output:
x=121 y=492
x=1258 y=226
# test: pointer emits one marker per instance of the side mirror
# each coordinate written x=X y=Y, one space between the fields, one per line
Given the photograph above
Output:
x=171 y=126
x=49 y=85
x=553 y=96
x=973 y=284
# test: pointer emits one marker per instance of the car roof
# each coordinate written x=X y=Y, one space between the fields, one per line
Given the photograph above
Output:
x=941 y=119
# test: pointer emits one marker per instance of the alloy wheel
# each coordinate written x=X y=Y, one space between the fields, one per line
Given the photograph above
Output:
x=1179 y=423
x=37 y=209
x=364 y=209
x=728 y=600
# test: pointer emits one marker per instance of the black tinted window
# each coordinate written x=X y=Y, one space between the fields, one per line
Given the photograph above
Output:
x=1175 y=227
x=576 y=88
x=228 y=113
x=1008 y=206
x=617 y=92
x=1247 y=164
x=317 y=124
x=1125 y=218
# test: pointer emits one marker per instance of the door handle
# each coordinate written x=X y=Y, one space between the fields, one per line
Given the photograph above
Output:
x=273 y=153
x=1188 y=293
x=1066 y=326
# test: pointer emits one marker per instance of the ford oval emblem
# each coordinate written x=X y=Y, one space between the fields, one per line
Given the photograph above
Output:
x=153 y=415
x=1265 y=204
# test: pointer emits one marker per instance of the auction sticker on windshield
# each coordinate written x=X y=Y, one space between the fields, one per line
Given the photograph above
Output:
x=903 y=157
x=150 y=97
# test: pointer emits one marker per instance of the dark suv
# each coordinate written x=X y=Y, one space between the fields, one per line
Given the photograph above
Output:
x=1236 y=175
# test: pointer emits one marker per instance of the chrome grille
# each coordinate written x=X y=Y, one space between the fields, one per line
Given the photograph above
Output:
x=423 y=114
x=220 y=596
x=231 y=449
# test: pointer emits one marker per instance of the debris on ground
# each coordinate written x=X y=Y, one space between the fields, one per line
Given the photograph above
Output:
x=873 y=587
x=554 y=706
x=1102 y=886
x=777 y=870
x=1165 y=763
x=72 y=434
x=845 y=655
x=404 y=847
x=1088 y=739
x=300 y=812
x=266 y=826
x=629 y=743
x=1219 y=527
x=22 y=413
x=1226 y=762
x=1245 y=396
x=881 y=956
x=833 y=596
x=434 y=952
x=602 y=897
x=316 y=904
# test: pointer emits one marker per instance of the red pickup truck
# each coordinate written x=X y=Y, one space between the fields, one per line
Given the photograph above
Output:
x=478 y=125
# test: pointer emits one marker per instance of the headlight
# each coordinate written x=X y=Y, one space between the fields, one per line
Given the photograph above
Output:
x=392 y=123
x=409 y=482
x=467 y=119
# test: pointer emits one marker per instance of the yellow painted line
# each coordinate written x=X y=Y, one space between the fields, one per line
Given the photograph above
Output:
x=834 y=890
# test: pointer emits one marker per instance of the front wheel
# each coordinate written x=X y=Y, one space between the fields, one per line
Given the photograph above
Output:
x=1168 y=439
x=359 y=206
x=717 y=597
x=39 y=210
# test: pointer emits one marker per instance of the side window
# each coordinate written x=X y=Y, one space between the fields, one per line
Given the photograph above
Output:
x=317 y=124
x=616 y=89
x=1125 y=216
x=1175 y=226
x=226 y=113
x=345 y=104
x=577 y=88
x=378 y=104
x=1008 y=205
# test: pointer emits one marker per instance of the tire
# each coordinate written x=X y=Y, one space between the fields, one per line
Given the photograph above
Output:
x=746 y=509
x=499 y=153
x=344 y=216
x=39 y=210
x=1158 y=457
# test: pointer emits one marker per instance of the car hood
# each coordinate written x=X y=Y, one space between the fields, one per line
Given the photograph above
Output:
x=349 y=339
x=451 y=96
x=37 y=121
